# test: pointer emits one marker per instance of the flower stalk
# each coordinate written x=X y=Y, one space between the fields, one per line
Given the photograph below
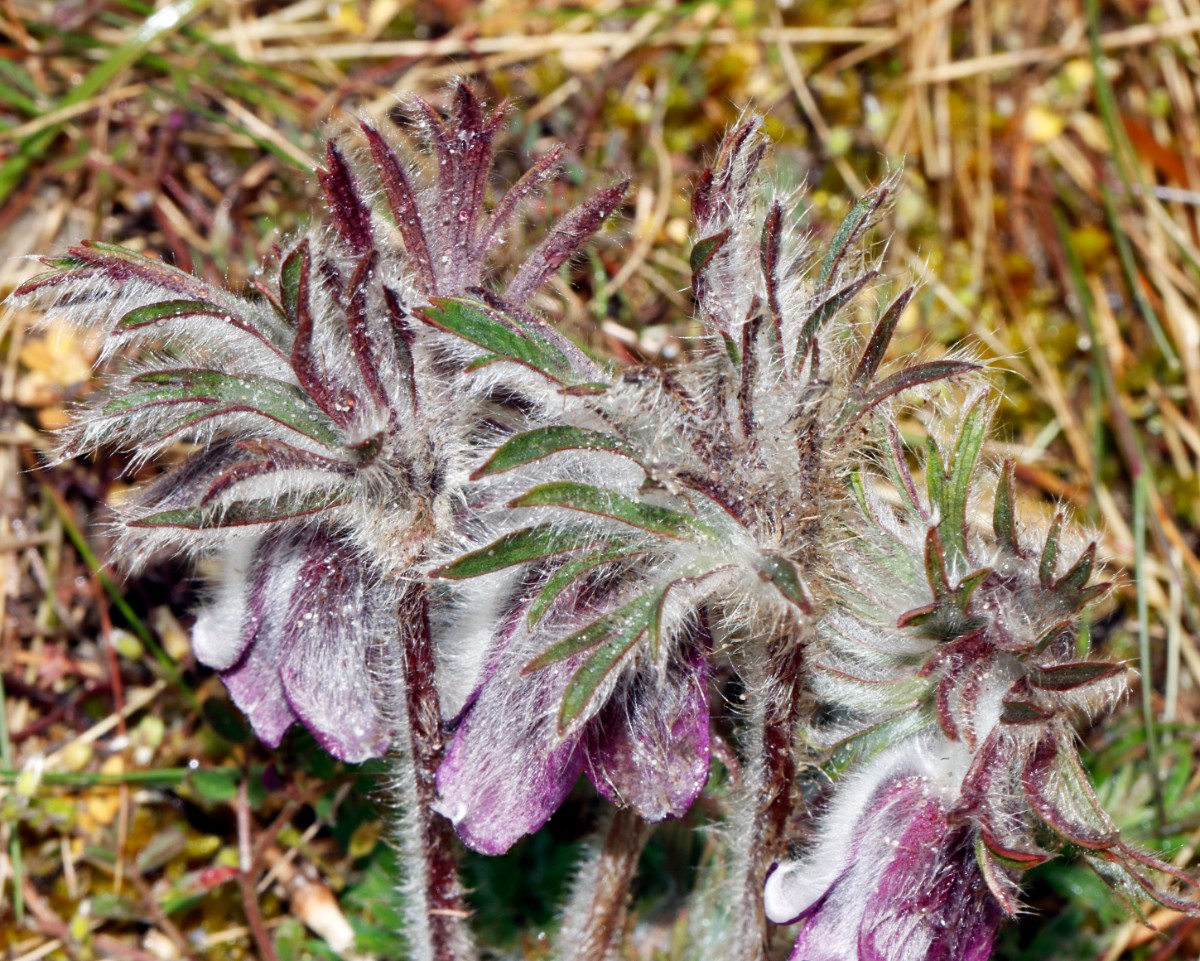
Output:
x=760 y=807
x=595 y=914
x=437 y=915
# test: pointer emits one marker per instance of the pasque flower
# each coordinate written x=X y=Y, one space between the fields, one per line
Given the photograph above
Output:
x=431 y=525
x=958 y=671
x=510 y=765
x=655 y=514
x=895 y=877
x=331 y=427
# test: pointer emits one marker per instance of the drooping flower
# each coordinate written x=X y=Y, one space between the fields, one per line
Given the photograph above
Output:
x=957 y=671
x=644 y=748
x=895 y=877
x=646 y=507
x=330 y=426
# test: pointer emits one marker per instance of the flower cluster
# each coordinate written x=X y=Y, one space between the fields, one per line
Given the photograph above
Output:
x=332 y=433
x=435 y=526
x=958 y=664
x=664 y=515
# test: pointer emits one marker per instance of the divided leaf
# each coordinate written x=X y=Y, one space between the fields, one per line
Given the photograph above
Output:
x=542 y=442
x=826 y=310
x=704 y=250
x=613 y=504
x=564 y=241
x=634 y=616
x=519 y=547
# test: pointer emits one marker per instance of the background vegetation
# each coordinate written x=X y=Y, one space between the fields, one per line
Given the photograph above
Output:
x=1052 y=175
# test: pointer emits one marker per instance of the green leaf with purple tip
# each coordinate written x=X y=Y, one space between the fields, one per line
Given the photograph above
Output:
x=575 y=568
x=219 y=392
x=266 y=510
x=613 y=504
x=1049 y=561
x=535 y=444
x=953 y=502
x=589 y=679
x=851 y=227
x=826 y=309
x=1004 y=511
x=519 y=547
x=705 y=249
x=632 y=617
x=1067 y=677
x=167 y=310
x=485 y=327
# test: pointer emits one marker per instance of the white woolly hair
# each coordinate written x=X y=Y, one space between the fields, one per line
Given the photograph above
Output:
x=794 y=886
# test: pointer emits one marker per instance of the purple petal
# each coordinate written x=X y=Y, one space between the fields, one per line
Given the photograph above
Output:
x=253 y=678
x=256 y=688
x=932 y=903
x=649 y=750
x=295 y=638
x=910 y=890
x=333 y=637
x=508 y=768
x=835 y=917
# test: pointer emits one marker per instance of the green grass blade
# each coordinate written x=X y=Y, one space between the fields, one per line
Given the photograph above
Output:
x=1145 y=661
x=16 y=863
x=118 y=599
x=159 y=24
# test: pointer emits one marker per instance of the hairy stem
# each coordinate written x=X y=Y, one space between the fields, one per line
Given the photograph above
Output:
x=762 y=807
x=437 y=917
x=779 y=743
x=595 y=914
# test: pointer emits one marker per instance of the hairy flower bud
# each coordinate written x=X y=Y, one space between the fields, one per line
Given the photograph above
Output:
x=895 y=877
x=956 y=671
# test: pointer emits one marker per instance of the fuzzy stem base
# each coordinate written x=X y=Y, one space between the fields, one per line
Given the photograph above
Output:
x=596 y=911
x=437 y=918
x=762 y=807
